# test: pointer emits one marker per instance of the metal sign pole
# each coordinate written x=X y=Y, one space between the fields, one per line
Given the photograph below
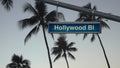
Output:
x=57 y=12
x=89 y=11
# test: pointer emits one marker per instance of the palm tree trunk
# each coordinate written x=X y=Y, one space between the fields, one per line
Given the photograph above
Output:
x=103 y=51
x=48 y=51
x=67 y=61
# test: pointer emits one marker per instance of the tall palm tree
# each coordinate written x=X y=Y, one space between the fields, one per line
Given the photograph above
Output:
x=91 y=17
x=18 y=62
x=8 y=4
x=63 y=49
x=39 y=19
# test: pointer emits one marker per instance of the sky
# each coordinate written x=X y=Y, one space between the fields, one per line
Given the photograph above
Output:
x=88 y=54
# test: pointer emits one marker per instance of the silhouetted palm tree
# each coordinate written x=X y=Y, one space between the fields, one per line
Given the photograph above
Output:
x=91 y=17
x=39 y=19
x=7 y=4
x=62 y=49
x=18 y=62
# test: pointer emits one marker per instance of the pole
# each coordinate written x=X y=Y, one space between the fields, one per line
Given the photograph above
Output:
x=57 y=12
x=88 y=11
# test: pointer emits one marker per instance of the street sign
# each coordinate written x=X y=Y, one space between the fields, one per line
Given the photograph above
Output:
x=74 y=27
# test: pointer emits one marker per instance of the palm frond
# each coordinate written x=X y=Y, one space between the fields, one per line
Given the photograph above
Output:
x=11 y=65
x=61 y=38
x=72 y=49
x=8 y=4
x=85 y=35
x=88 y=6
x=82 y=16
x=71 y=56
x=64 y=54
x=20 y=59
x=61 y=41
x=28 y=22
x=77 y=34
x=57 y=57
x=71 y=44
x=56 y=50
x=95 y=8
x=52 y=35
x=40 y=7
x=61 y=17
x=15 y=58
x=57 y=44
x=104 y=24
x=45 y=24
x=51 y=17
x=25 y=66
x=26 y=62
x=93 y=16
x=93 y=37
x=18 y=62
x=33 y=31
x=79 y=19
x=28 y=7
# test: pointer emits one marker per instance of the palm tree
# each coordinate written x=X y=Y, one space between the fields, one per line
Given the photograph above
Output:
x=39 y=19
x=62 y=49
x=18 y=62
x=91 y=17
x=8 y=4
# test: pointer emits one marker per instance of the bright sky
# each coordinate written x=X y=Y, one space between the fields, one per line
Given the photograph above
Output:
x=89 y=55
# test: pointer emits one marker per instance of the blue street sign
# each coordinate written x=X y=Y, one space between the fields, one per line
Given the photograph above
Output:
x=74 y=27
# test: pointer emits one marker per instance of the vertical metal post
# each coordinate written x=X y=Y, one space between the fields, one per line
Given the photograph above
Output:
x=57 y=12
